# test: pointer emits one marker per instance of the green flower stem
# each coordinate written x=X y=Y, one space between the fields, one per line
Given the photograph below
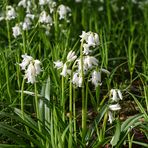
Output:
x=24 y=42
x=8 y=34
x=63 y=99
x=22 y=109
x=37 y=110
x=103 y=129
x=98 y=95
x=22 y=98
x=84 y=113
x=104 y=125
x=74 y=114
x=70 y=115
x=8 y=80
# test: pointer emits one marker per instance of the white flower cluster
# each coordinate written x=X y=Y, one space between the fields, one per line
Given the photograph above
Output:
x=89 y=41
x=63 y=11
x=90 y=63
x=60 y=65
x=32 y=68
x=10 y=13
x=115 y=96
x=32 y=17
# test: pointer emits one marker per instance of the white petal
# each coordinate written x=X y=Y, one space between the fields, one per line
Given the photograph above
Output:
x=64 y=71
x=30 y=73
x=105 y=71
x=37 y=65
x=58 y=64
x=114 y=107
x=110 y=117
x=120 y=94
x=71 y=56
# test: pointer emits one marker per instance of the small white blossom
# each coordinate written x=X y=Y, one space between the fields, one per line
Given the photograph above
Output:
x=80 y=81
x=96 y=78
x=71 y=56
x=78 y=1
x=64 y=70
x=10 y=13
x=110 y=117
x=63 y=11
x=30 y=73
x=16 y=30
x=86 y=50
x=26 y=24
x=113 y=93
x=77 y=80
x=119 y=94
x=22 y=3
x=43 y=2
x=89 y=62
x=31 y=16
x=92 y=39
x=105 y=71
x=45 y=18
x=26 y=60
x=29 y=6
x=116 y=95
x=32 y=68
x=52 y=6
x=84 y=36
x=58 y=64
x=37 y=65
x=114 y=107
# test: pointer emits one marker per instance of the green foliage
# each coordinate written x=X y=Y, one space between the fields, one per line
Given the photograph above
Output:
x=55 y=113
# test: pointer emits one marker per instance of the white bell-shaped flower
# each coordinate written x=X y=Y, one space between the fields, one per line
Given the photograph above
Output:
x=110 y=117
x=37 y=65
x=22 y=3
x=96 y=78
x=77 y=79
x=26 y=60
x=86 y=50
x=84 y=36
x=58 y=64
x=30 y=73
x=71 y=56
x=16 y=30
x=63 y=11
x=91 y=40
x=45 y=18
x=32 y=68
x=115 y=95
x=64 y=70
x=89 y=62
x=114 y=107
x=10 y=13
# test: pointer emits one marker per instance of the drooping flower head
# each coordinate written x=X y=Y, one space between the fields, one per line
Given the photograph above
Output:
x=45 y=18
x=32 y=68
x=58 y=64
x=96 y=78
x=63 y=11
x=16 y=30
x=10 y=13
x=115 y=95
x=71 y=56
x=90 y=38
